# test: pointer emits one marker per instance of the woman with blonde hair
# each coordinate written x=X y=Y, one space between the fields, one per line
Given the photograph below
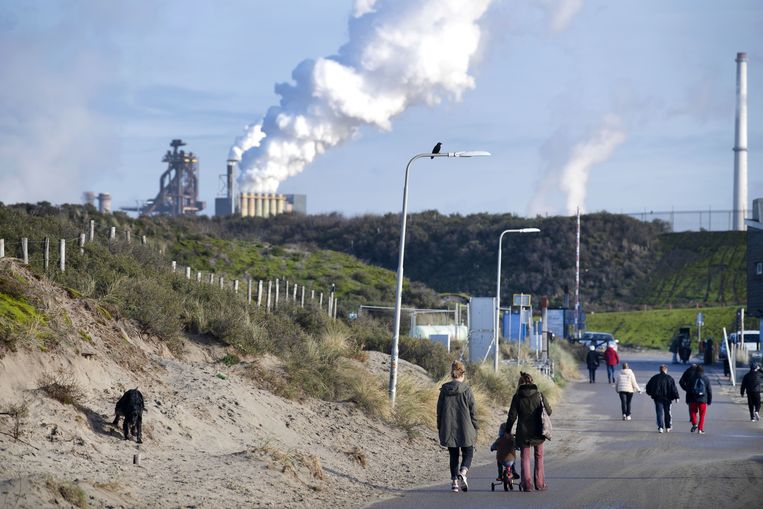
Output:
x=525 y=411
x=626 y=385
x=457 y=424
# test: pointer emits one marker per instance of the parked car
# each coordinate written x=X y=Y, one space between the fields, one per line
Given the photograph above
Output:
x=751 y=342
x=597 y=339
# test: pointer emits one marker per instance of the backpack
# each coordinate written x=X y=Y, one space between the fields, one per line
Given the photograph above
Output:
x=699 y=387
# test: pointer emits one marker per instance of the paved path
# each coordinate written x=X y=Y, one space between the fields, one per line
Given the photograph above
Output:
x=597 y=460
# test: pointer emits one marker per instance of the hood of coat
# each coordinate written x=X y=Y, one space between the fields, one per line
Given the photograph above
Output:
x=453 y=388
x=527 y=390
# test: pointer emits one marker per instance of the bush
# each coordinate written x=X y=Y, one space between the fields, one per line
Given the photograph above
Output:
x=61 y=386
x=154 y=306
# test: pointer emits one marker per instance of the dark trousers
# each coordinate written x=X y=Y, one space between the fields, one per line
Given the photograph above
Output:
x=592 y=375
x=664 y=419
x=610 y=373
x=625 y=402
x=466 y=460
x=753 y=403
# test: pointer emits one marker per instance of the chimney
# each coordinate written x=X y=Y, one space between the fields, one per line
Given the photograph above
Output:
x=740 y=146
x=229 y=181
x=104 y=203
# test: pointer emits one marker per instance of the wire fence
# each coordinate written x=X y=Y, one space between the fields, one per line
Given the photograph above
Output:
x=51 y=254
x=690 y=220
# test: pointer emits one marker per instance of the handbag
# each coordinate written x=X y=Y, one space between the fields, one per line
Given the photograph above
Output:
x=545 y=421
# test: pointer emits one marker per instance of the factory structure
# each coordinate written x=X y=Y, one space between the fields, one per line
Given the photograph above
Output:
x=104 y=201
x=246 y=204
x=740 y=146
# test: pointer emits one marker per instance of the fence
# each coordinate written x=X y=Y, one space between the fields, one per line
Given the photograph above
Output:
x=270 y=297
x=690 y=220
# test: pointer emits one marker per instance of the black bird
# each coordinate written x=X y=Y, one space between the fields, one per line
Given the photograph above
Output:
x=436 y=149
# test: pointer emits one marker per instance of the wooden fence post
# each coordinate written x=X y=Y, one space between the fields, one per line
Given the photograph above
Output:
x=112 y=233
x=174 y=266
x=92 y=230
x=320 y=302
x=276 y=304
x=188 y=272
x=286 y=289
x=46 y=253
x=303 y=295
x=62 y=254
x=211 y=277
x=143 y=240
x=335 y=306
x=25 y=250
x=259 y=293
x=249 y=290
x=81 y=243
x=2 y=248
x=198 y=276
x=222 y=283
x=270 y=287
x=294 y=297
x=312 y=295
x=235 y=286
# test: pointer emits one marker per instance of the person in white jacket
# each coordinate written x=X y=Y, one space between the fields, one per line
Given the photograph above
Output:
x=626 y=385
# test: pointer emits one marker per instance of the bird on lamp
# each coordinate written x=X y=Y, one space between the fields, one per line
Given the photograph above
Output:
x=436 y=149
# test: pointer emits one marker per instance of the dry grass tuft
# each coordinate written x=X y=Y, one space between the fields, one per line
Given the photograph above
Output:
x=16 y=412
x=358 y=456
x=291 y=462
x=61 y=386
x=415 y=406
x=70 y=492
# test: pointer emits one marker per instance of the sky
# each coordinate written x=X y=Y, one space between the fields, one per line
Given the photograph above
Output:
x=616 y=106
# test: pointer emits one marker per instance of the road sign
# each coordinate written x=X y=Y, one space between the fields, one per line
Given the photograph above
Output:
x=700 y=319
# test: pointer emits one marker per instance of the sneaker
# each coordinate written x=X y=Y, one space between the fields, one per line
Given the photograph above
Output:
x=462 y=480
x=757 y=416
x=752 y=419
x=659 y=430
x=693 y=428
x=625 y=417
x=628 y=418
x=701 y=432
x=668 y=430
x=454 y=486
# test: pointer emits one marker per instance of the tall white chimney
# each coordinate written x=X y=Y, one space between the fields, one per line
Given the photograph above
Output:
x=740 y=146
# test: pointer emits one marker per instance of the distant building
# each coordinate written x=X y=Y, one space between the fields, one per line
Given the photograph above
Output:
x=271 y=204
x=755 y=260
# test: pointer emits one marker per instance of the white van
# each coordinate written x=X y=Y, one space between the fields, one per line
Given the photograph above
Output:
x=751 y=342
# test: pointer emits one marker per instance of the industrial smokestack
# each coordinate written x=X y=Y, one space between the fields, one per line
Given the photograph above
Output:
x=104 y=203
x=231 y=168
x=740 y=146
x=88 y=198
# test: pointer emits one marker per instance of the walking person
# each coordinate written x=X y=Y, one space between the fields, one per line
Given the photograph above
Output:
x=684 y=381
x=612 y=359
x=751 y=385
x=626 y=385
x=525 y=411
x=457 y=425
x=709 y=351
x=662 y=388
x=592 y=361
x=700 y=396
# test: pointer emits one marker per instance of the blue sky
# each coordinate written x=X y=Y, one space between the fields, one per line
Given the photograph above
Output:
x=91 y=93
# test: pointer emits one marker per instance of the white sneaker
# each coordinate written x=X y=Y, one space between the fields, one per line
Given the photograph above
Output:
x=659 y=430
x=757 y=416
x=625 y=417
x=454 y=486
x=668 y=429
x=628 y=418
x=462 y=480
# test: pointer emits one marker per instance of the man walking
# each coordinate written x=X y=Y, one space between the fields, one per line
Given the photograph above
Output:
x=662 y=388
x=592 y=361
x=699 y=395
x=684 y=382
x=751 y=385
x=612 y=360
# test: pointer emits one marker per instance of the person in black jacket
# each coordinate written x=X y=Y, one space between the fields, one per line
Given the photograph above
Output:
x=699 y=395
x=592 y=361
x=662 y=388
x=684 y=382
x=751 y=385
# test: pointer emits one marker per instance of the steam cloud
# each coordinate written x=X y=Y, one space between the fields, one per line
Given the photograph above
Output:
x=398 y=54
x=567 y=172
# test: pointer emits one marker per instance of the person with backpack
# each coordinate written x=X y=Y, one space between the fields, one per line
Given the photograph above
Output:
x=612 y=360
x=684 y=382
x=662 y=388
x=592 y=362
x=751 y=385
x=700 y=396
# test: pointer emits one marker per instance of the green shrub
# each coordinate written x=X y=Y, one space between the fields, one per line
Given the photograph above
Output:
x=154 y=306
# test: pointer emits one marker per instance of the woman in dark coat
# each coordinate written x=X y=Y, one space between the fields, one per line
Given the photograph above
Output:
x=525 y=411
x=457 y=424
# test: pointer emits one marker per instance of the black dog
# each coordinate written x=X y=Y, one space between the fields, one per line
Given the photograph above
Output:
x=131 y=407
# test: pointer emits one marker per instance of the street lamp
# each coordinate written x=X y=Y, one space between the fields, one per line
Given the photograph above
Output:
x=496 y=335
x=399 y=289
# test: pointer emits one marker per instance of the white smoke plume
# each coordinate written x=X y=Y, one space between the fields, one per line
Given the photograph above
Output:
x=561 y=12
x=399 y=53
x=566 y=171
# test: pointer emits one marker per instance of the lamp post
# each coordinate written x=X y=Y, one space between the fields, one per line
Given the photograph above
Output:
x=399 y=288
x=496 y=335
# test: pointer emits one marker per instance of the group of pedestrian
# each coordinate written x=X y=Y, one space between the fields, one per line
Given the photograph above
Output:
x=457 y=428
x=593 y=359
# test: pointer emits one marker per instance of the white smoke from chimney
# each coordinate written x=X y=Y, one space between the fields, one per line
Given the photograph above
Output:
x=398 y=54
x=568 y=175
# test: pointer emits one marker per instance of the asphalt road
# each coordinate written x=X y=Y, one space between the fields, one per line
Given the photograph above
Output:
x=597 y=460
